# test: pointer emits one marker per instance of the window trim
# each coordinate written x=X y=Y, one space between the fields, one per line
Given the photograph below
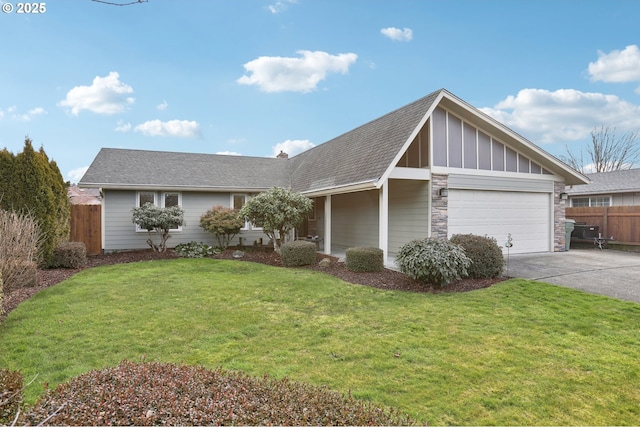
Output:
x=247 y=225
x=591 y=199
x=158 y=200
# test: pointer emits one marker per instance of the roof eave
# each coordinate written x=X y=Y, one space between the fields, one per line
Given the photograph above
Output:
x=155 y=187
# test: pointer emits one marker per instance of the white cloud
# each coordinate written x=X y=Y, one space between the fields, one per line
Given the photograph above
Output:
x=76 y=174
x=292 y=147
x=177 y=128
x=617 y=66
x=280 y=6
x=28 y=116
x=278 y=74
x=564 y=115
x=163 y=106
x=107 y=95
x=122 y=126
x=397 y=34
x=228 y=153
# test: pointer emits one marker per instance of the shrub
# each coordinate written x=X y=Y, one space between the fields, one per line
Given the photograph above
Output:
x=169 y=394
x=223 y=223
x=1 y=290
x=278 y=211
x=194 y=249
x=433 y=261
x=31 y=183
x=11 y=389
x=69 y=255
x=23 y=274
x=485 y=254
x=161 y=220
x=362 y=260
x=20 y=238
x=298 y=252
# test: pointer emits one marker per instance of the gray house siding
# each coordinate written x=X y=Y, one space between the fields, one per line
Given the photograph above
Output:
x=408 y=212
x=121 y=234
x=354 y=220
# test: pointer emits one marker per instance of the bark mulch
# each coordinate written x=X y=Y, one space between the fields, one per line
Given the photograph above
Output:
x=386 y=279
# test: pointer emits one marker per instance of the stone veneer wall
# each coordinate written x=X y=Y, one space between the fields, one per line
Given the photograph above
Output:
x=439 y=207
x=559 y=227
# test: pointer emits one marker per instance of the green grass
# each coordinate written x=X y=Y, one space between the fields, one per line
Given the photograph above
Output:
x=519 y=352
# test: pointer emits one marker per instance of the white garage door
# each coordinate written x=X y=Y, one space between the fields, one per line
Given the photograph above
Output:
x=497 y=213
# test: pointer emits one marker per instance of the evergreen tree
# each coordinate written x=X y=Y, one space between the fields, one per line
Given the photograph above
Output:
x=37 y=188
x=7 y=160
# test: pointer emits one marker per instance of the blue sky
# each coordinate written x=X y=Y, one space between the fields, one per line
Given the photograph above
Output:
x=254 y=77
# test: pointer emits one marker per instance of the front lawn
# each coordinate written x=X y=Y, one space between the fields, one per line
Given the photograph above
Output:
x=520 y=352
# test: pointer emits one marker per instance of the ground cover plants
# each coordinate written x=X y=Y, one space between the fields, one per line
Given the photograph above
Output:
x=518 y=352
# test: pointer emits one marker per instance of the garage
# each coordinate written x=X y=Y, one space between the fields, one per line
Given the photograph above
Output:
x=526 y=215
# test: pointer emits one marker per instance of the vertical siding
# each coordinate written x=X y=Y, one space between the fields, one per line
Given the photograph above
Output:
x=408 y=212
x=354 y=219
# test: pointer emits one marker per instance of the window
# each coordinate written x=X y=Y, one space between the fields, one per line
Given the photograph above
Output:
x=237 y=202
x=146 y=197
x=171 y=199
x=601 y=201
x=580 y=202
x=586 y=202
x=167 y=200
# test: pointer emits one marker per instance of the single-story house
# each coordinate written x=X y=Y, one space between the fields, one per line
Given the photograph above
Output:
x=435 y=167
x=616 y=188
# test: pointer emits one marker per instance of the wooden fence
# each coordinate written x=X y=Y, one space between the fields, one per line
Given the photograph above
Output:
x=86 y=227
x=621 y=222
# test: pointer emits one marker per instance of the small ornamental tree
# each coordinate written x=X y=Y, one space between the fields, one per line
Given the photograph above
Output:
x=278 y=211
x=223 y=223
x=159 y=220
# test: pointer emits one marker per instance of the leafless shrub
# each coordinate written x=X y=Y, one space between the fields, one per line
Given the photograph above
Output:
x=20 y=239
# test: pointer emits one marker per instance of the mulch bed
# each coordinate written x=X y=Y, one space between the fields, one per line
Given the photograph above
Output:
x=386 y=279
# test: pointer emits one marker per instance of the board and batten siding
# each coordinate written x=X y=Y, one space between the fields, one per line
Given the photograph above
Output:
x=408 y=212
x=120 y=232
x=354 y=220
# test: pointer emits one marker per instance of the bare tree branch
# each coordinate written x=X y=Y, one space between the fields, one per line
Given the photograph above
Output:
x=607 y=151
x=120 y=4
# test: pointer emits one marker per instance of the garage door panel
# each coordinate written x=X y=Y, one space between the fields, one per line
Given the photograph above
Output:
x=497 y=213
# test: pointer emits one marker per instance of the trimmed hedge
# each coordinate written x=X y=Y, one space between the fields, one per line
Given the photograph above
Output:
x=364 y=259
x=297 y=253
x=169 y=394
x=433 y=261
x=484 y=252
x=69 y=255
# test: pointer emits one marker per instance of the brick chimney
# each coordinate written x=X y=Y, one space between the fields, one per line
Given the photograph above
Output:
x=282 y=155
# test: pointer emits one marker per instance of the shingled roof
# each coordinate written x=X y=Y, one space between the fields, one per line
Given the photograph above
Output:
x=122 y=168
x=624 y=181
x=360 y=155
x=354 y=161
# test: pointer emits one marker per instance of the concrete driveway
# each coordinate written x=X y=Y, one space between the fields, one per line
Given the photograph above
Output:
x=612 y=273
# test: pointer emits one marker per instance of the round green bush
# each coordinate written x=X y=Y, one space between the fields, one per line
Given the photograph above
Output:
x=433 y=261
x=297 y=253
x=168 y=394
x=484 y=252
x=364 y=260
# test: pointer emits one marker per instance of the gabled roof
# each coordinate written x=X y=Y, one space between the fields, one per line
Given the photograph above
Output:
x=356 y=160
x=361 y=155
x=136 y=169
x=624 y=181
